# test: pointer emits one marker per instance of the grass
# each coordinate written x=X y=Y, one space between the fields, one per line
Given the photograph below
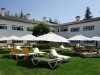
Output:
x=76 y=66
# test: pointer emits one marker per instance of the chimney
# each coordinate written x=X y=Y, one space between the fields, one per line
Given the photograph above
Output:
x=44 y=19
x=2 y=11
x=77 y=18
x=27 y=16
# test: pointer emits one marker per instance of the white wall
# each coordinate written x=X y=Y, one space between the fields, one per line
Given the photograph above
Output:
x=9 y=31
x=66 y=34
x=91 y=33
x=63 y=34
x=95 y=32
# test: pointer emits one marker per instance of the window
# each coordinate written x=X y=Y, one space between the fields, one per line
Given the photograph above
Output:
x=53 y=31
x=30 y=41
x=3 y=26
x=29 y=28
x=76 y=29
x=88 y=28
x=89 y=42
x=64 y=29
x=75 y=41
x=17 y=41
x=58 y=29
x=19 y=28
x=3 y=41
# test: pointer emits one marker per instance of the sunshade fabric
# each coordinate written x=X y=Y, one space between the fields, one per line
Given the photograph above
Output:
x=52 y=37
x=79 y=37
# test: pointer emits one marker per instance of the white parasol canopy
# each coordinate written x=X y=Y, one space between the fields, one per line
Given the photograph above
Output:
x=79 y=37
x=96 y=38
x=3 y=38
x=52 y=37
x=28 y=37
x=12 y=37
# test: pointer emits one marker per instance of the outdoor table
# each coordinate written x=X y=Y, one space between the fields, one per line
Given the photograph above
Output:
x=49 y=61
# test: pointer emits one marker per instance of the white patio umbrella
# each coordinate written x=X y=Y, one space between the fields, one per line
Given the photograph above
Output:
x=28 y=37
x=96 y=38
x=52 y=37
x=79 y=37
x=3 y=38
x=13 y=37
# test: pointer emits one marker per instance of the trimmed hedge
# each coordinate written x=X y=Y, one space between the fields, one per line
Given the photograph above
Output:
x=45 y=45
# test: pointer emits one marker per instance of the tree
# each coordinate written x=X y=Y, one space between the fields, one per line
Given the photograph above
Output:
x=55 y=21
x=88 y=14
x=16 y=15
x=33 y=19
x=21 y=14
x=7 y=13
x=50 y=20
x=24 y=16
x=40 y=29
x=44 y=19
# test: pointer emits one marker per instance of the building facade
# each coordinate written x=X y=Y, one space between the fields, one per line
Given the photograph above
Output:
x=88 y=28
x=10 y=25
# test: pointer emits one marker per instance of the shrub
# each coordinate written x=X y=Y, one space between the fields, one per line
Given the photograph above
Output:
x=45 y=45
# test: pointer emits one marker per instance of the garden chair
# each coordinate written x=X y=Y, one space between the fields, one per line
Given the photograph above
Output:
x=26 y=51
x=64 y=48
x=76 y=50
x=18 y=47
x=55 y=54
x=4 y=47
x=7 y=47
x=90 y=49
x=16 y=53
x=37 y=52
x=91 y=54
x=49 y=61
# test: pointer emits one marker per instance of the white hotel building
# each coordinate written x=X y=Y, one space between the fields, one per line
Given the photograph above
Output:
x=20 y=27
x=88 y=28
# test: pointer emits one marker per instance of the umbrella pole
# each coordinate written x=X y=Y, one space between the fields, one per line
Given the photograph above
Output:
x=29 y=44
x=4 y=42
x=13 y=43
x=96 y=43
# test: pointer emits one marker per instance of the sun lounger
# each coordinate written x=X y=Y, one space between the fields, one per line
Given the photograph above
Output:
x=18 y=47
x=76 y=50
x=37 y=51
x=64 y=48
x=27 y=52
x=90 y=54
x=49 y=61
x=55 y=54
x=16 y=53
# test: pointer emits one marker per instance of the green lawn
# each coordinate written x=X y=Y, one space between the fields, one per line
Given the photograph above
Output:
x=76 y=66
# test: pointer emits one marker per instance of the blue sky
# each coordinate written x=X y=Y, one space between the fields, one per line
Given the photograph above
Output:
x=63 y=10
